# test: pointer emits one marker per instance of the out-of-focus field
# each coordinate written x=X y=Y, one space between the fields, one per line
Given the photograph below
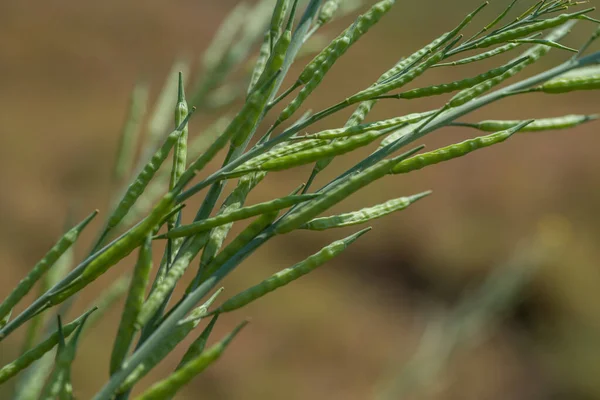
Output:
x=66 y=71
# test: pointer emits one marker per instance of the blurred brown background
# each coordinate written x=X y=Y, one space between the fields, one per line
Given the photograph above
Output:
x=66 y=71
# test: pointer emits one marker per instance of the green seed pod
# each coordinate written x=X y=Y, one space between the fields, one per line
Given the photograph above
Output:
x=65 y=242
x=364 y=215
x=350 y=131
x=180 y=332
x=162 y=114
x=198 y=346
x=481 y=56
x=327 y=11
x=466 y=83
x=277 y=18
x=162 y=290
x=290 y=274
x=237 y=215
x=133 y=305
x=13 y=368
x=580 y=79
x=281 y=150
x=529 y=57
x=135 y=190
x=261 y=62
x=455 y=150
x=278 y=52
x=59 y=385
x=116 y=251
x=328 y=150
x=168 y=387
x=542 y=124
x=239 y=242
x=340 y=44
x=180 y=148
x=524 y=30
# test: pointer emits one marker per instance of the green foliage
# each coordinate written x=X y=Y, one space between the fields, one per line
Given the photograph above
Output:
x=150 y=327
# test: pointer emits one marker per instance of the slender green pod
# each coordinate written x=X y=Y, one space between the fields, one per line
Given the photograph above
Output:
x=455 y=150
x=279 y=151
x=436 y=90
x=162 y=290
x=130 y=131
x=237 y=215
x=587 y=78
x=332 y=149
x=133 y=305
x=531 y=56
x=168 y=387
x=480 y=56
x=337 y=193
x=524 y=30
x=277 y=51
x=198 y=346
x=327 y=11
x=364 y=215
x=351 y=130
x=180 y=148
x=137 y=187
x=290 y=274
x=161 y=115
x=26 y=284
x=541 y=124
x=277 y=18
x=115 y=252
x=261 y=62
x=237 y=244
x=13 y=368
x=59 y=385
